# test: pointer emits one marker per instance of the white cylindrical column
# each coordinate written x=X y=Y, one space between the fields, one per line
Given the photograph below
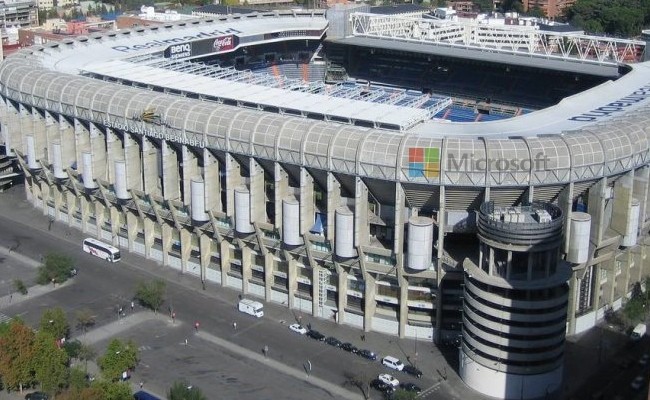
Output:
x=87 y=173
x=31 y=153
x=57 y=161
x=291 y=222
x=344 y=239
x=632 y=225
x=420 y=243
x=579 y=238
x=197 y=189
x=121 y=191
x=243 y=211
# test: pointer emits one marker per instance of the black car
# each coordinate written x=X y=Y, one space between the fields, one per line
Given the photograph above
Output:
x=411 y=370
x=36 y=396
x=332 y=341
x=367 y=354
x=410 y=387
x=316 y=335
x=350 y=347
x=382 y=386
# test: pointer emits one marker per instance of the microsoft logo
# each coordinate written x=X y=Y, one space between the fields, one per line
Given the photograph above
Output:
x=424 y=162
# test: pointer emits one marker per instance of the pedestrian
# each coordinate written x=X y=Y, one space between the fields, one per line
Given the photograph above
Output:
x=132 y=305
x=363 y=338
x=185 y=341
x=141 y=384
x=234 y=325
x=240 y=297
x=196 y=326
x=265 y=350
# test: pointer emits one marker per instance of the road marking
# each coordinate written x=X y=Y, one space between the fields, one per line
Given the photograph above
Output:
x=5 y=318
x=429 y=390
x=144 y=348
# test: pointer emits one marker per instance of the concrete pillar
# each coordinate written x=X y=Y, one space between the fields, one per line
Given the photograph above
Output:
x=292 y=283
x=398 y=236
x=51 y=135
x=98 y=149
x=623 y=189
x=370 y=303
x=190 y=170
x=11 y=128
x=149 y=235
x=114 y=152
x=361 y=225
x=246 y=272
x=100 y=217
x=225 y=261
x=565 y=202
x=68 y=139
x=306 y=201
x=132 y=227
x=205 y=248
x=257 y=195
x=133 y=163
x=211 y=179
x=269 y=261
x=72 y=203
x=151 y=167
x=403 y=306
x=170 y=174
x=45 y=194
x=342 y=292
x=233 y=179
x=596 y=208
x=84 y=207
x=316 y=310
x=333 y=202
x=115 y=225
x=186 y=247
x=281 y=179
x=166 y=234
x=82 y=142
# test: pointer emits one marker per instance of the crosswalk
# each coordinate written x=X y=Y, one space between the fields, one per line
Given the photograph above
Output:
x=4 y=318
x=144 y=348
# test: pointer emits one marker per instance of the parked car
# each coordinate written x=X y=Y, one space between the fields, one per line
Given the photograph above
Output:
x=350 y=348
x=298 y=328
x=410 y=387
x=637 y=383
x=388 y=379
x=382 y=386
x=36 y=396
x=411 y=370
x=367 y=354
x=332 y=341
x=316 y=335
x=393 y=363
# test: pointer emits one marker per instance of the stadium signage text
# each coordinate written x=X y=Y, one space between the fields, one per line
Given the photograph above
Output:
x=166 y=42
x=142 y=129
x=619 y=105
x=180 y=50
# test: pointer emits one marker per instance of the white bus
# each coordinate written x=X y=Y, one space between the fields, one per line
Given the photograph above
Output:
x=101 y=250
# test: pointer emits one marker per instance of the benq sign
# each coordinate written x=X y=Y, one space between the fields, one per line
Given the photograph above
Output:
x=179 y=51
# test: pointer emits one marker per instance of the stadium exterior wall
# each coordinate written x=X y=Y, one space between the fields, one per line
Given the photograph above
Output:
x=324 y=166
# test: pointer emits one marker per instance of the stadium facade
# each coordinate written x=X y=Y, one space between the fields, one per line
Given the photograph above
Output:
x=510 y=233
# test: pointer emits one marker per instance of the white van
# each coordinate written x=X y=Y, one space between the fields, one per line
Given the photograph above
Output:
x=392 y=362
x=252 y=307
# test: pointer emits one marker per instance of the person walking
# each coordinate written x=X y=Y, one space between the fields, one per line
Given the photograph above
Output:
x=234 y=325
x=265 y=350
x=196 y=326
x=132 y=305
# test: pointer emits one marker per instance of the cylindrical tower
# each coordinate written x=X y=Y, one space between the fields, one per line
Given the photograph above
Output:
x=291 y=222
x=344 y=239
x=243 y=211
x=121 y=188
x=57 y=161
x=197 y=190
x=87 y=174
x=579 y=238
x=32 y=162
x=420 y=243
x=515 y=303
x=632 y=227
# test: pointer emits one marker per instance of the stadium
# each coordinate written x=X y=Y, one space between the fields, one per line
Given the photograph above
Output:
x=423 y=178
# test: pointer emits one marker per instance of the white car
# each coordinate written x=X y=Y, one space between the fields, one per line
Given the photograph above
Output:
x=392 y=362
x=298 y=328
x=388 y=379
x=637 y=383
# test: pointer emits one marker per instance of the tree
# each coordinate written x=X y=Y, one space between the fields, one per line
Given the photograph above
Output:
x=113 y=390
x=86 y=353
x=54 y=322
x=77 y=379
x=181 y=390
x=85 y=319
x=72 y=348
x=50 y=363
x=119 y=357
x=90 y=393
x=152 y=294
x=16 y=351
x=55 y=266
x=359 y=380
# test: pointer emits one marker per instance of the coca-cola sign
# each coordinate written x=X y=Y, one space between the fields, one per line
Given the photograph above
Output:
x=223 y=43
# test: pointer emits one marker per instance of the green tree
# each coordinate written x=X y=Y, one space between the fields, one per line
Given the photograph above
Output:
x=54 y=322
x=55 y=266
x=119 y=357
x=152 y=294
x=85 y=319
x=20 y=287
x=113 y=390
x=78 y=379
x=181 y=390
x=16 y=351
x=86 y=353
x=50 y=363
x=72 y=348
